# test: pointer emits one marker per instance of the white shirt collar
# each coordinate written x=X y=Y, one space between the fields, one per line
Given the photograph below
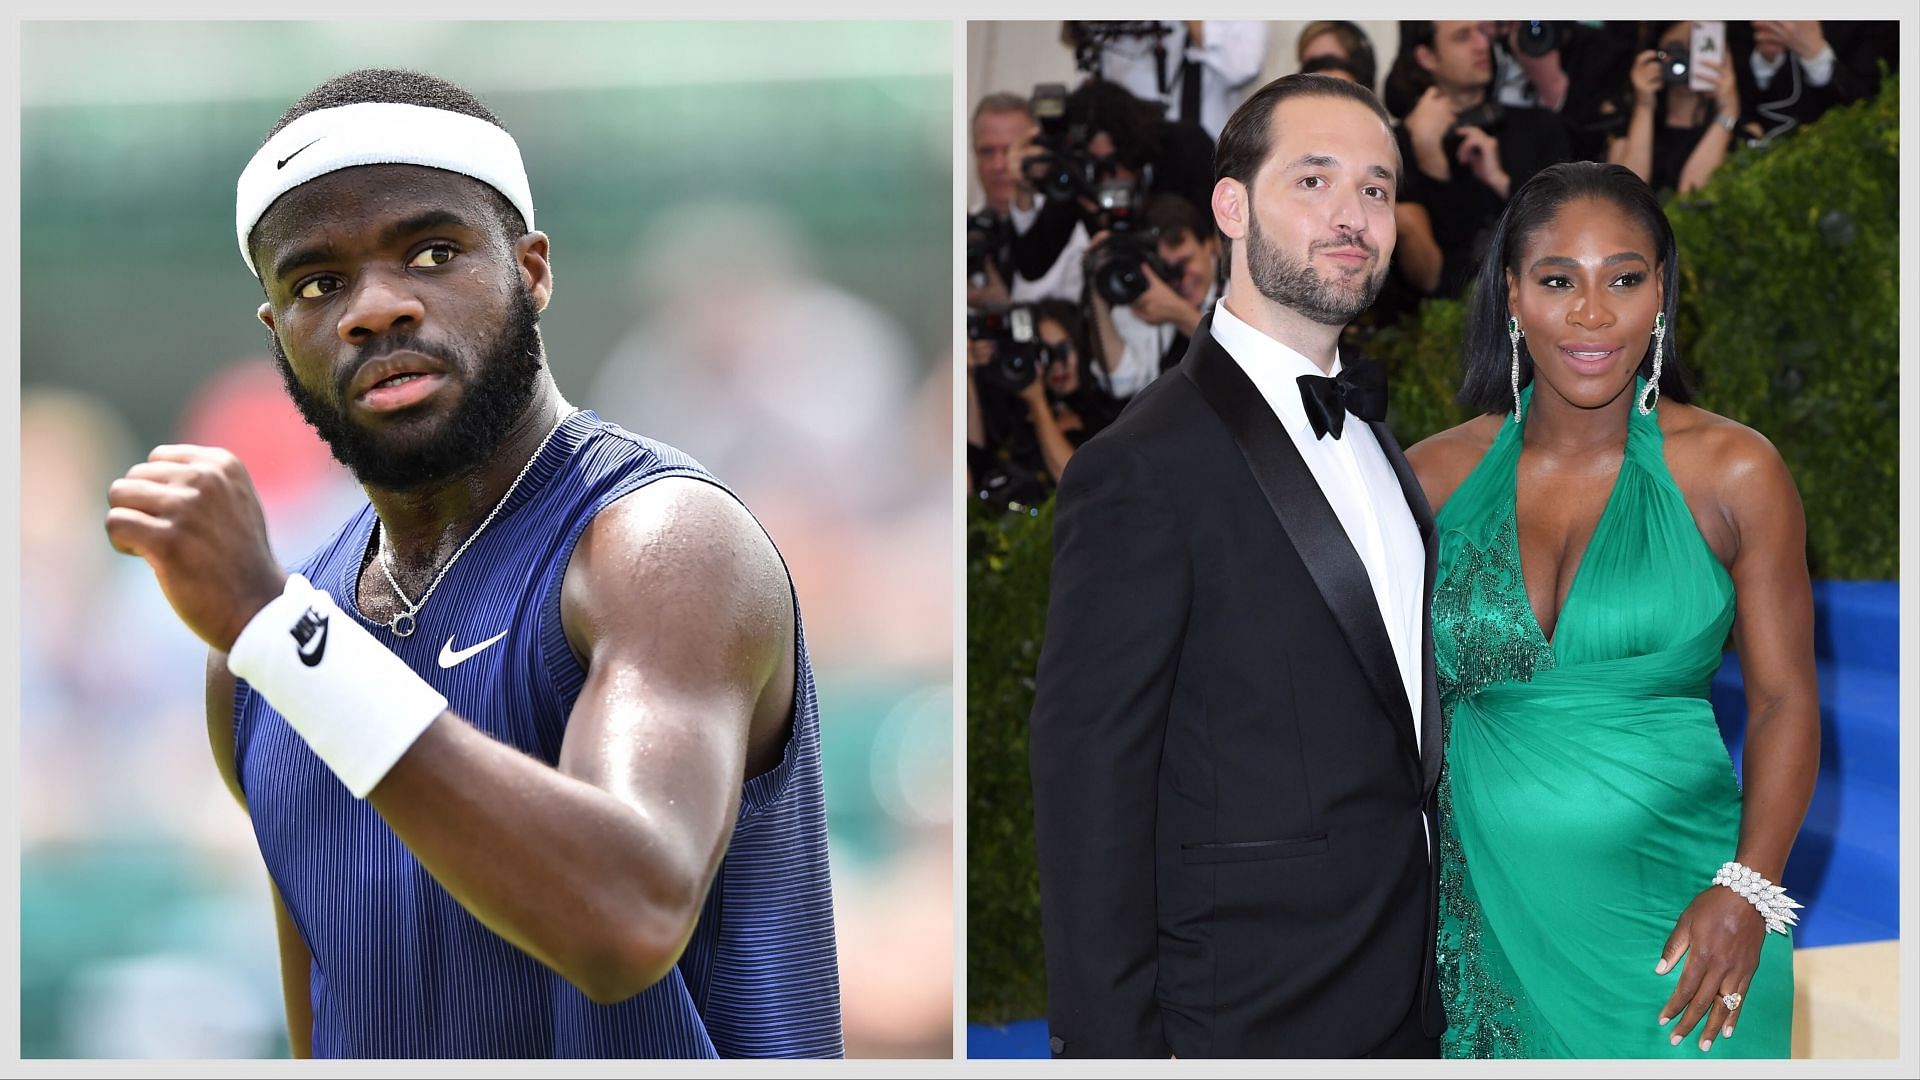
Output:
x=1274 y=368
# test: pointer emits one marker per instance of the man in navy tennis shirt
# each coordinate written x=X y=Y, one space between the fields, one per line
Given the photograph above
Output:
x=530 y=745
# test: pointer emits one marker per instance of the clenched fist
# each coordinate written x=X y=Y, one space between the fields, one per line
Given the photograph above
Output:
x=191 y=512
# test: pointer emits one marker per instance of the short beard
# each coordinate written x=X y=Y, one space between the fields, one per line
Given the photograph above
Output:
x=500 y=384
x=1293 y=283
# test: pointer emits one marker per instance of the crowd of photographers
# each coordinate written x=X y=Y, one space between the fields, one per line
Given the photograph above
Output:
x=1092 y=255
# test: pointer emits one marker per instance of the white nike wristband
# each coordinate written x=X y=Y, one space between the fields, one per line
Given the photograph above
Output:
x=358 y=706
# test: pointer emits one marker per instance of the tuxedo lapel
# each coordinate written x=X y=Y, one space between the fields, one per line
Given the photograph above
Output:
x=1296 y=499
x=1430 y=734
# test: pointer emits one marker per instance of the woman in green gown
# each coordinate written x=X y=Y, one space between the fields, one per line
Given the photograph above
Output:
x=1595 y=531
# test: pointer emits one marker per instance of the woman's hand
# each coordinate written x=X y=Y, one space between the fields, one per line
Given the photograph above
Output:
x=1726 y=91
x=1645 y=79
x=1720 y=934
x=1035 y=395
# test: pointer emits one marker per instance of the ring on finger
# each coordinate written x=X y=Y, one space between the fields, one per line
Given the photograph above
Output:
x=1731 y=1001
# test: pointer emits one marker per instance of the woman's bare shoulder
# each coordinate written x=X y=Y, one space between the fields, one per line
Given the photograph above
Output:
x=1445 y=459
x=1721 y=455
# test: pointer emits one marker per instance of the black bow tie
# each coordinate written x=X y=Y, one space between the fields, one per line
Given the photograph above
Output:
x=1360 y=389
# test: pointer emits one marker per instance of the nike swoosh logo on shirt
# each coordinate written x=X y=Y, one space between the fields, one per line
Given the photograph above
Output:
x=450 y=656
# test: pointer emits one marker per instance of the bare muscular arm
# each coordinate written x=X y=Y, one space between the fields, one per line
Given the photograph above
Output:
x=296 y=963
x=597 y=868
x=1761 y=530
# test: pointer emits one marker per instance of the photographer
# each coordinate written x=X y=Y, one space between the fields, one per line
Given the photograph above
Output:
x=1197 y=69
x=1102 y=139
x=1149 y=290
x=1678 y=136
x=1032 y=399
x=1792 y=71
x=1463 y=153
x=1003 y=131
x=1562 y=67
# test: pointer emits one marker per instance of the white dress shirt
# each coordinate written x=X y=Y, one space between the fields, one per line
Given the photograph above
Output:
x=1144 y=343
x=1360 y=485
x=1234 y=53
x=1819 y=69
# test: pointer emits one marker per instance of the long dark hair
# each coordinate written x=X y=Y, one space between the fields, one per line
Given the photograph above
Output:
x=1486 y=353
x=1089 y=402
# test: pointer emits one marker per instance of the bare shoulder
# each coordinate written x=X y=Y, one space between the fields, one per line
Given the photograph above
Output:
x=680 y=558
x=1723 y=456
x=1442 y=461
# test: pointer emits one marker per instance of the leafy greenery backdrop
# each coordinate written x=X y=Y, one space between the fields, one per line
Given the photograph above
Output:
x=1790 y=324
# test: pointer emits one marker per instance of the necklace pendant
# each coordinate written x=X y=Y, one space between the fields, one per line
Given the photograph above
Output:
x=402 y=625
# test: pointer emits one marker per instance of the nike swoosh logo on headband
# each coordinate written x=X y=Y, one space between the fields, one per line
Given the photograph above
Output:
x=282 y=163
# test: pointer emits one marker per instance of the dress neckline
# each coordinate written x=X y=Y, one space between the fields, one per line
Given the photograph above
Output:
x=1635 y=424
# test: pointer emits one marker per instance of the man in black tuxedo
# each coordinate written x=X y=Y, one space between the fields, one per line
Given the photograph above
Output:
x=1236 y=733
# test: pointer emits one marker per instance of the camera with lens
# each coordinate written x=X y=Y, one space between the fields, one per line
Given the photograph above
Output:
x=1019 y=356
x=1066 y=169
x=1675 y=65
x=1489 y=116
x=1537 y=38
x=1117 y=269
x=986 y=232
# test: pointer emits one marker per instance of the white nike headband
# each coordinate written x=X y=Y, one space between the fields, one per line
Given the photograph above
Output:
x=378 y=133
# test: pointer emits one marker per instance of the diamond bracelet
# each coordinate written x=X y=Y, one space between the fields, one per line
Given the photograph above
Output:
x=1770 y=900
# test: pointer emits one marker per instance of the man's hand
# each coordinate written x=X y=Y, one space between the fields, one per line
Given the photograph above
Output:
x=1480 y=152
x=1720 y=934
x=191 y=512
x=1018 y=159
x=1161 y=304
x=1547 y=74
x=993 y=293
x=1802 y=37
x=1427 y=126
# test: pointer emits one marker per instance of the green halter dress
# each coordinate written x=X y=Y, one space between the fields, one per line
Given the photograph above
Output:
x=1587 y=796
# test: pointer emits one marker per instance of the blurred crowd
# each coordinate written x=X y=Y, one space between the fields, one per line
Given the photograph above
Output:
x=1091 y=253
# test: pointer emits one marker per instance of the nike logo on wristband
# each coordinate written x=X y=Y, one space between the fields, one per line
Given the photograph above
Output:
x=310 y=637
x=450 y=656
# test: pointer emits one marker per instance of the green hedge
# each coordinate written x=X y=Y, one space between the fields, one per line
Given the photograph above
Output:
x=1789 y=320
x=1007 y=564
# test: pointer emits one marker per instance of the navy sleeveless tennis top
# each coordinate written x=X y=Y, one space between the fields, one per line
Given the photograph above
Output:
x=400 y=969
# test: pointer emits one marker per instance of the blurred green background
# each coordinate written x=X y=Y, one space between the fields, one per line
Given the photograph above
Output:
x=752 y=250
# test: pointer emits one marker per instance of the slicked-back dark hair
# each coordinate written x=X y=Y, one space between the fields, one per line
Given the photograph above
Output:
x=1248 y=137
x=1486 y=352
x=398 y=87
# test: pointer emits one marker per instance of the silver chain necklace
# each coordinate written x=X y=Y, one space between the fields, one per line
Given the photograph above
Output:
x=402 y=624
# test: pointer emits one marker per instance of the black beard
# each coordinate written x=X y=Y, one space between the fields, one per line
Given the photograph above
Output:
x=502 y=382
x=1293 y=283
